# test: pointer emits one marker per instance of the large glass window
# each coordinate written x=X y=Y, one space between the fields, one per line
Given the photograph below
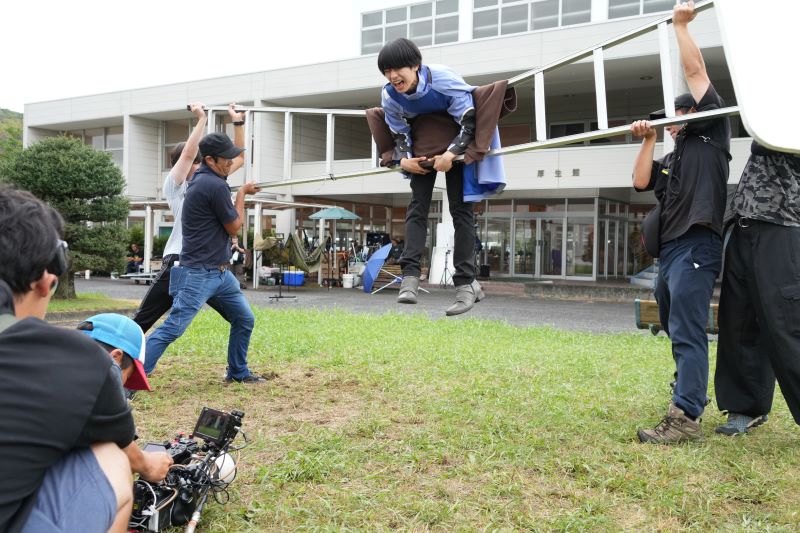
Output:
x=446 y=30
x=633 y=8
x=103 y=139
x=518 y=16
x=426 y=23
x=175 y=132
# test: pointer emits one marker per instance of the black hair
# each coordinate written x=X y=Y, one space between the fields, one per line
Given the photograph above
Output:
x=176 y=152
x=29 y=238
x=398 y=54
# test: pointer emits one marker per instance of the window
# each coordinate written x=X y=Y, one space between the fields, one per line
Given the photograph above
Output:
x=103 y=139
x=575 y=12
x=514 y=19
x=561 y=129
x=633 y=8
x=427 y=23
x=175 y=132
x=519 y=16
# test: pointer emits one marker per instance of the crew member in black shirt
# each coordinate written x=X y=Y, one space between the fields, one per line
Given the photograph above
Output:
x=690 y=187
x=63 y=418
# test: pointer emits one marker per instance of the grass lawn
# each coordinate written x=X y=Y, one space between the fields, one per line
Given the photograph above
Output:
x=89 y=301
x=399 y=422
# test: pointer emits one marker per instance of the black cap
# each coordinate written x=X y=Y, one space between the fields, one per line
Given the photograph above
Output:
x=683 y=101
x=219 y=145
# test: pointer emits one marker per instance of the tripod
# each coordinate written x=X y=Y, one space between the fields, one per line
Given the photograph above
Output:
x=447 y=276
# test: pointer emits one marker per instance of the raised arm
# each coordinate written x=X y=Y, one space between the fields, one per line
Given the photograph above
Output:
x=184 y=163
x=694 y=68
x=643 y=165
x=238 y=136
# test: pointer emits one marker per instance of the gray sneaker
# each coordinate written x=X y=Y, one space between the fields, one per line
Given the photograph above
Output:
x=739 y=424
x=409 y=288
x=466 y=296
x=673 y=428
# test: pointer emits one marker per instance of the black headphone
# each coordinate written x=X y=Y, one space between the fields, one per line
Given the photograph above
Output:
x=59 y=263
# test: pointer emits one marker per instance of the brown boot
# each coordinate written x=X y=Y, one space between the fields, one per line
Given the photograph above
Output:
x=675 y=427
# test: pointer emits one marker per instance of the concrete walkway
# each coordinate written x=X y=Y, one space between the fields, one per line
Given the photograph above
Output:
x=520 y=310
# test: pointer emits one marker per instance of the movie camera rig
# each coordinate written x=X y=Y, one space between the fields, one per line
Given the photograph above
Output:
x=199 y=469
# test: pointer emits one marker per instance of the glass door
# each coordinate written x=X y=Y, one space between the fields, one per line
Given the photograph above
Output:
x=524 y=247
x=550 y=247
x=580 y=248
x=497 y=245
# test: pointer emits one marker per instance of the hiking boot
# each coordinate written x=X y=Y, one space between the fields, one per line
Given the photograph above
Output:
x=673 y=428
x=409 y=288
x=466 y=296
x=250 y=379
x=739 y=424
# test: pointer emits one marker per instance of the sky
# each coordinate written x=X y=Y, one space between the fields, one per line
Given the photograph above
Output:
x=55 y=49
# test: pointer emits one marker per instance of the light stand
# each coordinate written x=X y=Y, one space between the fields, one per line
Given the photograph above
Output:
x=446 y=275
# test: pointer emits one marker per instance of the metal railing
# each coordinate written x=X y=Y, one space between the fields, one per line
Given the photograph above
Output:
x=597 y=53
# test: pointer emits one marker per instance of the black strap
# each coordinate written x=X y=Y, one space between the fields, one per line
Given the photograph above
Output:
x=715 y=144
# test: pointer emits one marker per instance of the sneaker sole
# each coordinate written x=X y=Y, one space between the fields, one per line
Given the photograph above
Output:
x=644 y=438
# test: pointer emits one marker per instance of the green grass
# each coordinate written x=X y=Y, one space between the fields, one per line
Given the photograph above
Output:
x=400 y=422
x=88 y=301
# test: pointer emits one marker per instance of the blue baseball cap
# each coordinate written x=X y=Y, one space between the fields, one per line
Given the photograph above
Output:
x=121 y=332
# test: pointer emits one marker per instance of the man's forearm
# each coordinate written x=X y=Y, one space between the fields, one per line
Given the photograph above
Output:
x=643 y=164
x=239 y=206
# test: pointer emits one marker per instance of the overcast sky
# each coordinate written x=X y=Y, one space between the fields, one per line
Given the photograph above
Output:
x=55 y=49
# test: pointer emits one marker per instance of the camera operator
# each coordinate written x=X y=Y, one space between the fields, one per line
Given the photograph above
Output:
x=123 y=339
x=63 y=418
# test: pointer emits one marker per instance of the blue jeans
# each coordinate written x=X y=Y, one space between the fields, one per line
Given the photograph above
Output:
x=688 y=269
x=190 y=288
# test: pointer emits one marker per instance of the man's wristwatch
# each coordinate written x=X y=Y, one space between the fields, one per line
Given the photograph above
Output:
x=238 y=122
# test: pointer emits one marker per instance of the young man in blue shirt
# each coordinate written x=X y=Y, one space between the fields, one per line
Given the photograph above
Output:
x=415 y=89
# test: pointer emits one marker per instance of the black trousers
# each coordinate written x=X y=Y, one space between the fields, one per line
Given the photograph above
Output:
x=157 y=300
x=417 y=224
x=759 y=320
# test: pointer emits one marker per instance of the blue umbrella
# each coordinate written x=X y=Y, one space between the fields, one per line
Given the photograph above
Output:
x=373 y=266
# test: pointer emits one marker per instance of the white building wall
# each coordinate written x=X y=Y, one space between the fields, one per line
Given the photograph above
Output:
x=269 y=147
x=143 y=172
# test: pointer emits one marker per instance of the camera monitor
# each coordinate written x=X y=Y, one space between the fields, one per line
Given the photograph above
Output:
x=212 y=425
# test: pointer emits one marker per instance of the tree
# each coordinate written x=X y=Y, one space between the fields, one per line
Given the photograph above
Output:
x=10 y=135
x=85 y=186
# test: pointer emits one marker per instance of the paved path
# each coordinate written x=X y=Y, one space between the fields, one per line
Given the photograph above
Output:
x=595 y=317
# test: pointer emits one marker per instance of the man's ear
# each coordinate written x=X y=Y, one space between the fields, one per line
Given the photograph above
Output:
x=116 y=354
x=45 y=284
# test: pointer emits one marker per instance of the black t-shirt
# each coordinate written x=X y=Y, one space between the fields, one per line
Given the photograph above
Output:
x=58 y=392
x=206 y=209
x=690 y=182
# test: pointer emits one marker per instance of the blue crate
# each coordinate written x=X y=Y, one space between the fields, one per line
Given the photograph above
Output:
x=294 y=279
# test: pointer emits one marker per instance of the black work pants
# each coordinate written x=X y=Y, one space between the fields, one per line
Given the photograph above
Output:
x=157 y=300
x=759 y=320
x=417 y=224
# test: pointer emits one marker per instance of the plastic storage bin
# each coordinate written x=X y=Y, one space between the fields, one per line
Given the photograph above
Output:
x=294 y=279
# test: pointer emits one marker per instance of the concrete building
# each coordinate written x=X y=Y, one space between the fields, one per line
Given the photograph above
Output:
x=568 y=212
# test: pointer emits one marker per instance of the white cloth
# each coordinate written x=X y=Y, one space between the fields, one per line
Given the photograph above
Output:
x=175 y=194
